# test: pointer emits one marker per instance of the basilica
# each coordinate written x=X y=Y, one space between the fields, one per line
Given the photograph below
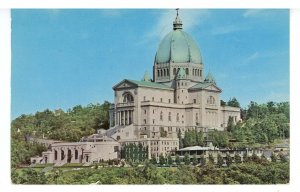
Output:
x=178 y=97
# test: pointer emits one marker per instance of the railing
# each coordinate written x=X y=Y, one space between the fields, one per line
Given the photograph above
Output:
x=129 y=104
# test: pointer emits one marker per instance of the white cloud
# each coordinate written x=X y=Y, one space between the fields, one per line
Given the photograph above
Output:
x=190 y=18
x=111 y=12
x=226 y=29
x=259 y=13
x=252 y=12
x=251 y=58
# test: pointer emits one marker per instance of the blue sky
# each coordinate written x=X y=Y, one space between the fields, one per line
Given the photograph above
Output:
x=62 y=58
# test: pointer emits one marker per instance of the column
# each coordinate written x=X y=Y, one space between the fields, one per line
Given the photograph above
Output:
x=122 y=117
x=131 y=116
x=126 y=117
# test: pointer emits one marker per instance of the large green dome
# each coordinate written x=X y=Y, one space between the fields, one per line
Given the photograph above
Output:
x=178 y=47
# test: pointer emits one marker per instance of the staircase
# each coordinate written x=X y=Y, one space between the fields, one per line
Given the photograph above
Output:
x=46 y=169
x=113 y=130
x=58 y=164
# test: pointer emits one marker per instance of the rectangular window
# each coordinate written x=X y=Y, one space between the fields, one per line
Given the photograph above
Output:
x=194 y=100
x=116 y=148
x=161 y=100
x=152 y=98
x=144 y=98
x=145 y=112
x=169 y=100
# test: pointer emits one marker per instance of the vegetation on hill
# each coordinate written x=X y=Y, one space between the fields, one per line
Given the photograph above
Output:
x=71 y=125
x=240 y=173
x=261 y=124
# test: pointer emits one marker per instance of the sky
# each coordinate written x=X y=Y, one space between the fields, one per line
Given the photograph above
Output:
x=63 y=57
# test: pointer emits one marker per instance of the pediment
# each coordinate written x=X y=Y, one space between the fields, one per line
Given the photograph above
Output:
x=124 y=85
x=213 y=87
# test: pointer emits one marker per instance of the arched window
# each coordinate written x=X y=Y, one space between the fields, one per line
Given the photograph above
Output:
x=76 y=154
x=168 y=72
x=174 y=71
x=55 y=155
x=186 y=71
x=158 y=73
x=62 y=155
x=211 y=100
x=200 y=73
x=161 y=116
x=164 y=72
x=127 y=97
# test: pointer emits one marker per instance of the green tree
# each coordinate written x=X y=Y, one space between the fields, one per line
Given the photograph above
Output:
x=233 y=102
x=228 y=159
x=186 y=159
x=273 y=157
x=177 y=159
x=153 y=160
x=170 y=160
x=162 y=160
x=195 y=161
x=211 y=158
x=237 y=158
x=202 y=160
x=220 y=160
x=230 y=124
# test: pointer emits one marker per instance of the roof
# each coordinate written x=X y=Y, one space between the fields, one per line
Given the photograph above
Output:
x=146 y=77
x=209 y=78
x=201 y=85
x=148 y=84
x=194 y=148
x=178 y=47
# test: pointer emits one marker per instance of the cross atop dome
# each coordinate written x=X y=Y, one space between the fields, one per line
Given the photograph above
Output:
x=177 y=24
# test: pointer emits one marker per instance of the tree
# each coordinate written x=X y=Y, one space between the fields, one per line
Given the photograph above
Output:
x=177 y=159
x=186 y=159
x=195 y=161
x=179 y=135
x=228 y=159
x=202 y=160
x=230 y=124
x=233 y=102
x=211 y=158
x=199 y=138
x=153 y=160
x=273 y=157
x=223 y=103
x=162 y=160
x=220 y=161
x=255 y=158
x=237 y=158
x=170 y=160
